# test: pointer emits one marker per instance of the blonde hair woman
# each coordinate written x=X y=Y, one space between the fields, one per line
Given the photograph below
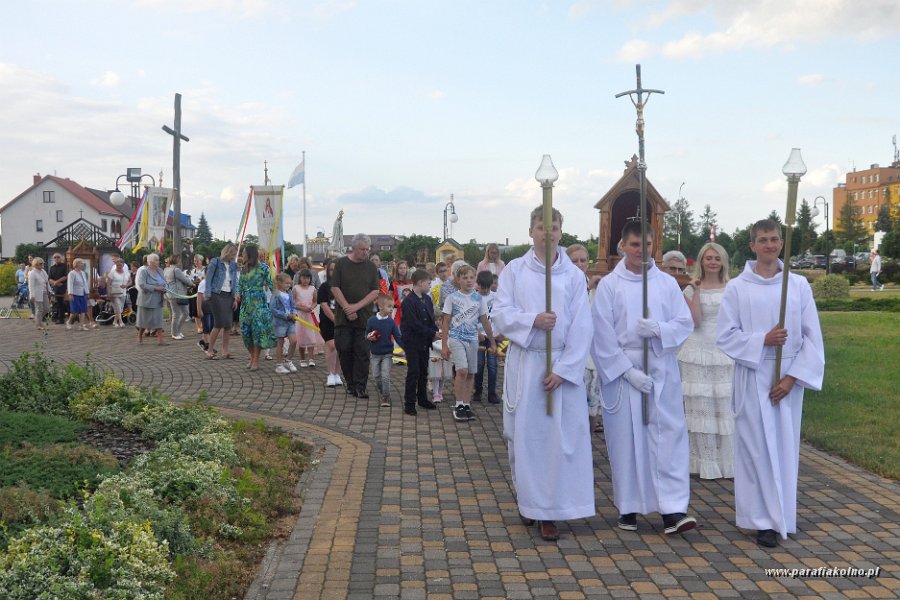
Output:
x=492 y=261
x=706 y=373
x=39 y=291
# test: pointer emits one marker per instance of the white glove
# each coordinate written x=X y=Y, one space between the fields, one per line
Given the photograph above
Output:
x=648 y=328
x=639 y=380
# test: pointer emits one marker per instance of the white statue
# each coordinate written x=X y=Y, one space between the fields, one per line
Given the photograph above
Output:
x=336 y=247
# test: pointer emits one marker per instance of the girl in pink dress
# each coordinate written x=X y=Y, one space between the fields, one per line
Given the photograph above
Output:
x=305 y=301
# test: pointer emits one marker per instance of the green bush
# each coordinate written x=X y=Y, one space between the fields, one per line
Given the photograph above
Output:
x=59 y=469
x=39 y=385
x=8 y=278
x=16 y=427
x=109 y=392
x=86 y=555
x=168 y=420
x=860 y=304
x=831 y=287
x=21 y=508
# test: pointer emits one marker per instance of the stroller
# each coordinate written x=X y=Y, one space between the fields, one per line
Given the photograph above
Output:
x=104 y=312
x=21 y=300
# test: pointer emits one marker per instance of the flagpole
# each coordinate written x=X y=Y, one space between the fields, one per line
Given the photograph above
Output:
x=305 y=252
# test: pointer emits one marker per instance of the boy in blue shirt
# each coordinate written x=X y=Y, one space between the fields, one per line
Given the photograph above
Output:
x=463 y=309
x=379 y=329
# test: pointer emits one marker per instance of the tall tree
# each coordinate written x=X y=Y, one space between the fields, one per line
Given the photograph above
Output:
x=850 y=229
x=409 y=247
x=204 y=236
x=884 y=223
x=679 y=220
x=804 y=231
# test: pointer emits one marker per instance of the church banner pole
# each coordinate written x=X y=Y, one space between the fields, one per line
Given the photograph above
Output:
x=546 y=176
x=639 y=105
x=794 y=169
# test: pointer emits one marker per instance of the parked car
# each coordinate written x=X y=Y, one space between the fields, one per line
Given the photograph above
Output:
x=816 y=261
x=838 y=256
x=862 y=258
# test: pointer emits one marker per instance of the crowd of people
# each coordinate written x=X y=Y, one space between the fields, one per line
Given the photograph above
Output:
x=707 y=401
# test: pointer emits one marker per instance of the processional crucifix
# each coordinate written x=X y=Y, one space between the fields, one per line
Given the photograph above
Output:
x=176 y=175
x=639 y=104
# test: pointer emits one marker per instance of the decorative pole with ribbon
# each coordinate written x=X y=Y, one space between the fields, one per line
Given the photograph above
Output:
x=546 y=176
x=639 y=104
x=794 y=169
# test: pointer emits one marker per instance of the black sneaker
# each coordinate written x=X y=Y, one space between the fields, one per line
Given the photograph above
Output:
x=766 y=538
x=476 y=398
x=469 y=414
x=628 y=522
x=350 y=391
x=410 y=409
x=493 y=399
x=459 y=413
x=201 y=345
x=427 y=404
x=386 y=401
x=678 y=523
x=362 y=394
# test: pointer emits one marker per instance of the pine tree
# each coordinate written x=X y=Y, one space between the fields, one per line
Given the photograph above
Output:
x=884 y=219
x=707 y=220
x=850 y=229
x=204 y=236
x=680 y=218
x=804 y=232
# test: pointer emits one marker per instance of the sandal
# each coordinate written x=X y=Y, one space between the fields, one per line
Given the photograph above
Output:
x=211 y=355
x=227 y=357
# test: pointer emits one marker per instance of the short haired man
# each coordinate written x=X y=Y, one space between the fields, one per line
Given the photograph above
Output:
x=57 y=274
x=650 y=462
x=767 y=414
x=354 y=286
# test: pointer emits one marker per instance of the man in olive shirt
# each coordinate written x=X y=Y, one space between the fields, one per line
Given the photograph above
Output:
x=354 y=286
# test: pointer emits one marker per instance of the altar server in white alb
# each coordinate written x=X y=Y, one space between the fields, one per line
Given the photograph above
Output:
x=767 y=413
x=649 y=462
x=550 y=455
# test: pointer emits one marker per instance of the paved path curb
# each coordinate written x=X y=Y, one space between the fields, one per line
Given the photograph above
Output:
x=423 y=508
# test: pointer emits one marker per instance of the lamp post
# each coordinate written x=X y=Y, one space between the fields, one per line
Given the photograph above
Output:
x=678 y=213
x=133 y=176
x=451 y=215
x=793 y=169
x=546 y=175
x=815 y=213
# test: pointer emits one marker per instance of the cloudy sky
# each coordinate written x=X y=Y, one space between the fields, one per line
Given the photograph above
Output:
x=399 y=104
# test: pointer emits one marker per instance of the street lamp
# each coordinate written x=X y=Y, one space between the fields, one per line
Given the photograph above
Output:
x=547 y=175
x=133 y=176
x=815 y=213
x=451 y=215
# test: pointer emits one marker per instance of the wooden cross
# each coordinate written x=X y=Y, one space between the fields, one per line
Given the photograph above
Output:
x=176 y=175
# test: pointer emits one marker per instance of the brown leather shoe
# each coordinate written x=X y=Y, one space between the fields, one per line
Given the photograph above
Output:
x=549 y=531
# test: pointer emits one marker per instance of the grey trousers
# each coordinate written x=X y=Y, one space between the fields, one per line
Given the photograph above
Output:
x=381 y=373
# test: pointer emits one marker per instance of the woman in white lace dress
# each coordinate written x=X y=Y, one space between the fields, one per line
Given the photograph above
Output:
x=706 y=373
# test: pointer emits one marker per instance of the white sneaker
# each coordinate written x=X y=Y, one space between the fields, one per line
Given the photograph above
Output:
x=303 y=364
x=180 y=336
x=311 y=363
x=291 y=366
x=881 y=289
x=282 y=370
x=338 y=380
x=330 y=381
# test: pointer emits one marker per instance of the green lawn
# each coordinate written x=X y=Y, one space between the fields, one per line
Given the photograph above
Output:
x=857 y=413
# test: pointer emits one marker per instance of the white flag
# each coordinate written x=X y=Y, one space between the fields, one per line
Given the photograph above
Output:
x=298 y=176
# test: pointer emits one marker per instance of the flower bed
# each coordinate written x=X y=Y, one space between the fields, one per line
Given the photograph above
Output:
x=184 y=520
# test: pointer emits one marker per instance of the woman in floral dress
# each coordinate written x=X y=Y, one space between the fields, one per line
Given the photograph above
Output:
x=256 y=316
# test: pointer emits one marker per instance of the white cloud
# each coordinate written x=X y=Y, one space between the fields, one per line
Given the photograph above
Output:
x=227 y=195
x=770 y=23
x=108 y=79
x=635 y=50
x=580 y=9
x=811 y=79
x=242 y=8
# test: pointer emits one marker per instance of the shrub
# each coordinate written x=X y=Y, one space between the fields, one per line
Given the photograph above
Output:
x=8 y=278
x=159 y=422
x=37 y=384
x=59 y=469
x=831 y=287
x=16 y=427
x=20 y=508
x=109 y=392
x=86 y=555
x=204 y=446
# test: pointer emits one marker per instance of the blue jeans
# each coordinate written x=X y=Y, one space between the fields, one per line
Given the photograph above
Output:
x=875 y=283
x=491 y=360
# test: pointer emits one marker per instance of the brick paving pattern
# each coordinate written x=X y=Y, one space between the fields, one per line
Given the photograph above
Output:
x=423 y=507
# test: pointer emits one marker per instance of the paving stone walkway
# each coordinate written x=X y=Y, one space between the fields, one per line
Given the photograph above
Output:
x=402 y=507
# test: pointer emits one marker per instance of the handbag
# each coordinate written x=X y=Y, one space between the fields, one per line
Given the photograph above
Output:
x=182 y=301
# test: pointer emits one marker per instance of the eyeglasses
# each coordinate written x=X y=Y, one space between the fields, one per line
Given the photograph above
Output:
x=676 y=270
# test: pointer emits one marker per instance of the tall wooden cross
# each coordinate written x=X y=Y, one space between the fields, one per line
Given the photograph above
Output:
x=176 y=175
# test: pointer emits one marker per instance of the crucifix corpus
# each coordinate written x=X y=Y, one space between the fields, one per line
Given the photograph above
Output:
x=176 y=175
x=639 y=97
